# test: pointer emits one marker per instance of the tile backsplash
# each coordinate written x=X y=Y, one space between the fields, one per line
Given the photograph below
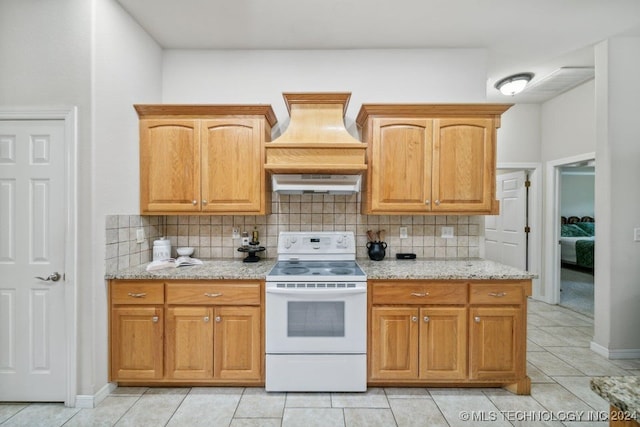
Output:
x=211 y=236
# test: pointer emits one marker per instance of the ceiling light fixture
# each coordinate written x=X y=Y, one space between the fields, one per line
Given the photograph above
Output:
x=514 y=84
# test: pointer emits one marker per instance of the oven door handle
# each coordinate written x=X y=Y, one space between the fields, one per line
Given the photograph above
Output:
x=323 y=291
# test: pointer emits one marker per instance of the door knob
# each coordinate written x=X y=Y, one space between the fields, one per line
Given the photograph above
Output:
x=54 y=277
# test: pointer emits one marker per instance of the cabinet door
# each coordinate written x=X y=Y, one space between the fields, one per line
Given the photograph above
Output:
x=497 y=343
x=232 y=165
x=189 y=349
x=400 y=166
x=393 y=349
x=463 y=165
x=169 y=166
x=238 y=343
x=136 y=342
x=443 y=343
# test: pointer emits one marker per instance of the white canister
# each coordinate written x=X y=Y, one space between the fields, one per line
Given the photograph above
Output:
x=161 y=249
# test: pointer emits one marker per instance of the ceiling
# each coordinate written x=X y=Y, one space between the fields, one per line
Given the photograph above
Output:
x=538 y=36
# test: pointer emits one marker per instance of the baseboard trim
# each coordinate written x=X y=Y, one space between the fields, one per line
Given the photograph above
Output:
x=88 y=401
x=633 y=353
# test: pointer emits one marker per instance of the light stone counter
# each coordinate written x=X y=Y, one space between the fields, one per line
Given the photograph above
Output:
x=210 y=270
x=442 y=269
x=475 y=269
x=621 y=392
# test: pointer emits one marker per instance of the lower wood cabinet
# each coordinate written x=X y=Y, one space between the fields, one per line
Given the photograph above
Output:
x=202 y=333
x=448 y=333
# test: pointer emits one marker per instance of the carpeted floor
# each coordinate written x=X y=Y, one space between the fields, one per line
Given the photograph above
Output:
x=576 y=291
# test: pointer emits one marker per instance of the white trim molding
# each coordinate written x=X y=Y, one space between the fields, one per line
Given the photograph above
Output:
x=69 y=114
x=89 y=401
x=633 y=353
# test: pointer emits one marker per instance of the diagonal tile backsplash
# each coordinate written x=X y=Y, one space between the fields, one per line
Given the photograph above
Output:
x=211 y=236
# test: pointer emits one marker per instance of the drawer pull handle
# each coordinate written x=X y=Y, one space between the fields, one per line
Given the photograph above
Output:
x=140 y=295
x=206 y=319
x=426 y=319
x=497 y=294
x=155 y=319
x=218 y=319
x=420 y=294
x=476 y=319
x=216 y=295
x=414 y=319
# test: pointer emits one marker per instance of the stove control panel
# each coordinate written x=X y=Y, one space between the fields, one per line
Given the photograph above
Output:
x=316 y=242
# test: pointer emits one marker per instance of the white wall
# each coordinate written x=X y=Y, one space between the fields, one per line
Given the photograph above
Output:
x=568 y=123
x=577 y=193
x=617 y=271
x=519 y=134
x=127 y=66
x=372 y=76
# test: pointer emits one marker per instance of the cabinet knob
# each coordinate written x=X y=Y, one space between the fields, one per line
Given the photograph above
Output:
x=414 y=319
x=426 y=319
x=420 y=294
x=140 y=295
x=204 y=202
x=155 y=319
x=497 y=294
x=194 y=202
x=206 y=319
x=426 y=202
x=437 y=202
x=476 y=319
x=218 y=319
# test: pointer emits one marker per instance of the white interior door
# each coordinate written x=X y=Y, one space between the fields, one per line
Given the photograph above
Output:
x=33 y=354
x=505 y=238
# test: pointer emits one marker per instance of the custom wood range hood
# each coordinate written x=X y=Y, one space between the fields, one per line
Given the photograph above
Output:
x=316 y=140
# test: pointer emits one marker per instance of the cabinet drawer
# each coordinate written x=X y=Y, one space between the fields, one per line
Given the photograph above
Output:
x=498 y=293
x=137 y=292
x=213 y=293
x=419 y=293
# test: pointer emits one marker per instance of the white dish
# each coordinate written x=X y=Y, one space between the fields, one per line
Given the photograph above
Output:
x=185 y=251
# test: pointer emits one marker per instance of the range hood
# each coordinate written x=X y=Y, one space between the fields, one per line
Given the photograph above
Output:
x=315 y=183
x=316 y=140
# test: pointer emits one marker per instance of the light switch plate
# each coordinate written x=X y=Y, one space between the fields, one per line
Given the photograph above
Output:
x=235 y=234
x=140 y=235
x=403 y=233
x=447 y=233
x=636 y=234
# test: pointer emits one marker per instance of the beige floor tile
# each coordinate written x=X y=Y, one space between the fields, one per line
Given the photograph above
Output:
x=308 y=400
x=545 y=339
x=107 y=413
x=129 y=391
x=587 y=361
x=151 y=410
x=558 y=399
x=416 y=412
x=204 y=410
x=628 y=364
x=174 y=391
x=457 y=404
x=256 y=422
x=550 y=364
x=580 y=387
x=217 y=390
x=570 y=335
x=536 y=375
x=531 y=346
x=41 y=415
x=521 y=411
x=407 y=392
x=8 y=410
x=313 y=417
x=257 y=403
x=372 y=398
x=537 y=320
x=569 y=318
x=368 y=417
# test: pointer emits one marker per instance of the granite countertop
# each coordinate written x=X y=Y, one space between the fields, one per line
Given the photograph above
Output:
x=621 y=392
x=478 y=269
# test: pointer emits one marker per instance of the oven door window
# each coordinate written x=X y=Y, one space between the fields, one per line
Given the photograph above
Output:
x=315 y=319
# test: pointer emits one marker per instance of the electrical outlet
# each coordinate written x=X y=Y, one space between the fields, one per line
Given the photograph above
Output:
x=140 y=235
x=447 y=233
x=403 y=233
x=235 y=233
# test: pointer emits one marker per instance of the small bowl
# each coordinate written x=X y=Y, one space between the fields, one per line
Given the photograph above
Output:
x=185 y=251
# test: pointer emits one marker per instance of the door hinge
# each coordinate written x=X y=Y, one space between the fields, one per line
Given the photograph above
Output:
x=527 y=183
x=527 y=229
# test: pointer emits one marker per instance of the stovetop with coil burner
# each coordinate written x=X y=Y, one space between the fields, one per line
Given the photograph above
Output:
x=316 y=270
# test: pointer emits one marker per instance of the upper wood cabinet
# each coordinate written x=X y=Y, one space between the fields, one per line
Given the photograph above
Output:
x=204 y=159
x=430 y=159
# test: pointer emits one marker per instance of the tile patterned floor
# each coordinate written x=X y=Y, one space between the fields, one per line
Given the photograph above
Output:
x=560 y=365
